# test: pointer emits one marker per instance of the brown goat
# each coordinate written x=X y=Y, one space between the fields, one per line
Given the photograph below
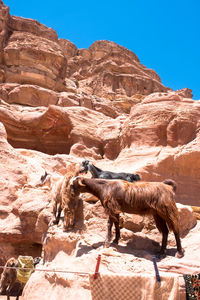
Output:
x=65 y=199
x=144 y=198
x=9 y=277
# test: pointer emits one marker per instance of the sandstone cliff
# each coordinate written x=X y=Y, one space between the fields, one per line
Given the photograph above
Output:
x=60 y=105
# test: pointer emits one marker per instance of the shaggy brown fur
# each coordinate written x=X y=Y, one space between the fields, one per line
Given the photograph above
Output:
x=144 y=198
x=65 y=199
x=9 y=277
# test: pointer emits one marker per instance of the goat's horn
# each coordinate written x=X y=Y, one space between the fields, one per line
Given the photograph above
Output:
x=80 y=182
x=71 y=182
x=73 y=179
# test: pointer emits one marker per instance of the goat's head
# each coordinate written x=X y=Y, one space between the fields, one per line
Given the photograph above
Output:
x=135 y=177
x=84 y=166
x=36 y=260
x=76 y=185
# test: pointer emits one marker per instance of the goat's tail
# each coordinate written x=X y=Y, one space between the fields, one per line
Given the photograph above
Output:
x=172 y=183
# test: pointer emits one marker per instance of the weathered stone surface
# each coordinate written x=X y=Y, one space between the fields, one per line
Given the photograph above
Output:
x=109 y=70
x=25 y=208
x=31 y=95
x=54 y=129
x=162 y=120
x=68 y=48
x=33 y=59
x=81 y=150
x=60 y=105
x=32 y=26
x=4 y=19
x=160 y=138
x=34 y=95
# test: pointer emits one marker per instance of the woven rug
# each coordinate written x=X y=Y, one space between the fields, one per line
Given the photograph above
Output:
x=192 y=284
x=137 y=287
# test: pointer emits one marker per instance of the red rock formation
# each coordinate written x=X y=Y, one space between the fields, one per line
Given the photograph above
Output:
x=60 y=105
x=112 y=71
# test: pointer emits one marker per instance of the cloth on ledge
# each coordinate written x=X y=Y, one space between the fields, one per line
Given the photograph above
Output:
x=136 y=287
x=24 y=262
x=192 y=284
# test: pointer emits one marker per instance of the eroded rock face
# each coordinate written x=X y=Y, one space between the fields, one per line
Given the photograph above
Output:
x=60 y=105
x=55 y=130
x=159 y=139
x=33 y=59
x=25 y=204
x=32 y=26
x=162 y=120
x=112 y=71
x=4 y=19
x=34 y=96
x=68 y=47
x=30 y=52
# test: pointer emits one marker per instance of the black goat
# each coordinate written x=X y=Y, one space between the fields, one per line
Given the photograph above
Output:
x=98 y=173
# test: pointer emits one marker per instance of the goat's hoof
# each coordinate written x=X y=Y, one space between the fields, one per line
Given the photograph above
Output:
x=106 y=244
x=67 y=228
x=180 y=254
x=161 y=255
x=115 y=242
x=54 y=222
x=51 y=223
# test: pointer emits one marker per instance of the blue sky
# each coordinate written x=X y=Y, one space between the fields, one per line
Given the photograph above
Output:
x=165 y=35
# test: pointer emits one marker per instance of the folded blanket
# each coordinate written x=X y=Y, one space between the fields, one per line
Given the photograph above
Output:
x=192 y=284
x=137 y=287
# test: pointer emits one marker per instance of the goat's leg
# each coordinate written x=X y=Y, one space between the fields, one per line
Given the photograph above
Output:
x=180 y=250
x=22 y=287
x=72 y=218
x=8 y=293
x=54 y=211
x=54 y=208
x=69 y=218
x=117 y=230
x=174 y=225
x=8 y=296
x=109 y=232
x=9 y=288
x=66 y=219
x=58 y=214
x=162 y=227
